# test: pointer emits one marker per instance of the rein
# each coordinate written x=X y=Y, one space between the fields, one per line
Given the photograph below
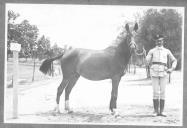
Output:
x=140 y=54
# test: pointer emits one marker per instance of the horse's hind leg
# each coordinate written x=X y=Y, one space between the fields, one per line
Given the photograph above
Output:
x=68 y=89
x=59 y=93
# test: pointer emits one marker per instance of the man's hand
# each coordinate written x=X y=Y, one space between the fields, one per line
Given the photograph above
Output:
x=170 y=70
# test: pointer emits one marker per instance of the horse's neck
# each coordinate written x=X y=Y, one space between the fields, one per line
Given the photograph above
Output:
x=121 y=51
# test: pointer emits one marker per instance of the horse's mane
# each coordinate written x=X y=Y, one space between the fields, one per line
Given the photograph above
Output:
x=121 y=38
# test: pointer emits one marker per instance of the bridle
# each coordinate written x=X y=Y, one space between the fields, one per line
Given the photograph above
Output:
x=142 y=53
x=132 y=45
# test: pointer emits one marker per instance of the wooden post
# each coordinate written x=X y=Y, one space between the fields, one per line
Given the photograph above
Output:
x=33 y=69
x=169 y=66
x=34 y=57
x=15 y=47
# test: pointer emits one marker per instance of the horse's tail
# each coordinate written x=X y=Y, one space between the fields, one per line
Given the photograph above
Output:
x=46 y=66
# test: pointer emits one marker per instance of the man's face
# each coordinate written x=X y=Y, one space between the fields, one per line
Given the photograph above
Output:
x=160 y=42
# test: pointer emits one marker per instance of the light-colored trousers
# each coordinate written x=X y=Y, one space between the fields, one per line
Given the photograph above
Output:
x=159 y=87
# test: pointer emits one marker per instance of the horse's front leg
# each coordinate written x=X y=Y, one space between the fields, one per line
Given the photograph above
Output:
x=114 y=94
x=134 y=68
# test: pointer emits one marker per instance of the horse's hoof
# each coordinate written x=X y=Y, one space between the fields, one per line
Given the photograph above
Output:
x=117 y=116
x=56 y=110
x=68 y=111
x=115 y=113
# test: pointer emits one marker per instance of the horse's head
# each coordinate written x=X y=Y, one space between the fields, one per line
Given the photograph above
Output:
x=130 y=37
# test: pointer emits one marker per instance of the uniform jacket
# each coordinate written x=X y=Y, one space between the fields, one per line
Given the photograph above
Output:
x=157 y=59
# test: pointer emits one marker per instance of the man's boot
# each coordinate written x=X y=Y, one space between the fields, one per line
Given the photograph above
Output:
x=162 y=102
x=156 y=106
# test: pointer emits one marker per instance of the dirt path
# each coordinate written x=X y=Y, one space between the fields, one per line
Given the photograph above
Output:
x=90 y=101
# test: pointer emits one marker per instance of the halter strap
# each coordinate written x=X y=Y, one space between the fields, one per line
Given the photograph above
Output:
x=130 y=44
x=142 y=53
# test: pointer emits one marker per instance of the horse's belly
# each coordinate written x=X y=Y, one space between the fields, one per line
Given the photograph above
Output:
x=94 y=75
x=95 y=71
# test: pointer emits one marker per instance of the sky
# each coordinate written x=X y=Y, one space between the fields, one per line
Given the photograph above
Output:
x=85 y=26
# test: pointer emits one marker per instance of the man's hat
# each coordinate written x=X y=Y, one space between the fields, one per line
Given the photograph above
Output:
x=159 y=37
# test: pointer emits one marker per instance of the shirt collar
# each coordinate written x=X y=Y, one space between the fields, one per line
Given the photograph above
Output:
x=159 y=48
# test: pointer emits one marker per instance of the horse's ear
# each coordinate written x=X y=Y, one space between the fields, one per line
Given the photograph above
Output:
x=136 y=27
x=127 y=27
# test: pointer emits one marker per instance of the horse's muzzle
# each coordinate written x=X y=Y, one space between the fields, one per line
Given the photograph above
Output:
x=132 y=45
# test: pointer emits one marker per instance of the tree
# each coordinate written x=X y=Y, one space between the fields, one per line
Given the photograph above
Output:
x=57 y=50
x=44 y=47
x=29 y=34
x=166 y=22
x=13 y=33
x=23 y=33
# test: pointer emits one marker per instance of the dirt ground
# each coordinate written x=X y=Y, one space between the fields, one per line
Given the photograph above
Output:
x=90 y=102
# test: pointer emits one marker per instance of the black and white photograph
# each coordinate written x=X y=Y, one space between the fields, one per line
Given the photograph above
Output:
x=94 y=64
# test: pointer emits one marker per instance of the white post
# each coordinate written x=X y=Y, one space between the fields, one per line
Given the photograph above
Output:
x=15 y=47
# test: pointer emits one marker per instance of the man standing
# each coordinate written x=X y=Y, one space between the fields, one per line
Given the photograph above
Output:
x=157 y=59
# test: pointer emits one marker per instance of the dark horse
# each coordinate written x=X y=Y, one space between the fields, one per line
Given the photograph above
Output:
x=95 y=65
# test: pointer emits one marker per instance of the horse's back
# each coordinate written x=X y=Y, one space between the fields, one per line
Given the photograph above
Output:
x=96 y=65
x=91 y=64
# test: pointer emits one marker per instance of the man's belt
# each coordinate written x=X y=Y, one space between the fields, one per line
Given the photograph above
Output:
x=159 y=63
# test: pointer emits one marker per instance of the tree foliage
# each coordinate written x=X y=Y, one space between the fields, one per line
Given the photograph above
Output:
x=23 y=33
x=167 y=22
x=57 y=50
x=29 y=34
x=13 y=34
x=44 y=47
